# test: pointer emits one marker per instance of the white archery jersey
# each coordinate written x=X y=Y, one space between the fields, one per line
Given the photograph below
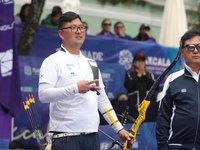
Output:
x=71 y=111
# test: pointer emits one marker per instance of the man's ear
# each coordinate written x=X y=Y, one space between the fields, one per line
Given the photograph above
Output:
x=183 y=53
x=60 y=33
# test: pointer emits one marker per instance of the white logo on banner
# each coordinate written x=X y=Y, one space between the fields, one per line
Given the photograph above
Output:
x=158 y=61
x=110 y=95
x=6 y=2
x=28 y=70
x=6 y=27
x=6 y=63
x=26 y=88
x=125 y=58
x=93 y=55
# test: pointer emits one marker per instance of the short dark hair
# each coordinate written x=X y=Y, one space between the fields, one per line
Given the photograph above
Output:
x=67 y=17
x=84 y=22
x=104 y=21
x=15 y=144
x=118 y=23
x=56 y=11
x=57 y=8
x=188 y=35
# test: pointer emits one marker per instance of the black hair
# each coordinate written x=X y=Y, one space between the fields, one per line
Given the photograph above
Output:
x=104 y=21
x=31 y=147
x=124 y=102
x=56 y=11
x=21 y=14
x=15 y=144
x=57 y=8
x=67 y=17
x=119 y=94
x=118 y=23
x=84 y=22
x=188 y=35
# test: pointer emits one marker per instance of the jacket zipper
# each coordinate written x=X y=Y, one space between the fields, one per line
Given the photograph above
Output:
x=195 y=139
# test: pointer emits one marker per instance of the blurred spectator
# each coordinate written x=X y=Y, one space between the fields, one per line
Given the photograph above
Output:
x=106 y=27
x=31 y=147
x=120 y=31
x=144 y=34
x=122 y=99
x=16 y=144
x=87 y=27
x=52 y=20
x=55 y=8
x=22 y=16
x=138 y=81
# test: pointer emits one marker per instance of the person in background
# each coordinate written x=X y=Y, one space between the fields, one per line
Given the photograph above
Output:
x=120 y=31
x=138 y=81
x=55 y=8
x=106 y=28
x=144 y=34
x=31 y=147
x=68 y=83
x=122 y=99
x=86 y=27
x=16 y=144
x=177 y=126
x=52 y=21
x=22 y=16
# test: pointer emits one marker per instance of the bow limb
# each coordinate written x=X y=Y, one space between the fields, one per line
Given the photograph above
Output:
x=142 y=108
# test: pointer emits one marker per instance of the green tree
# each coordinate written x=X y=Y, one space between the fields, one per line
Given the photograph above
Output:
x=195 y=25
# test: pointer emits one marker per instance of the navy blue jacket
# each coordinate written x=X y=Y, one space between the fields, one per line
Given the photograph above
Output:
x=178 y=123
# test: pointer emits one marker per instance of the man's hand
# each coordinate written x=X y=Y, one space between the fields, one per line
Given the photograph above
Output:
x=148 y=33
x=123 y=135
x=84 y=86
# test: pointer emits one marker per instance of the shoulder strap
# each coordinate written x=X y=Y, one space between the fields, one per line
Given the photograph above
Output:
x=95 y=69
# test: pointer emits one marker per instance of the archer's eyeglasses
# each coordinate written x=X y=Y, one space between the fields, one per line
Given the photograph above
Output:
x=75 y=28
x=191 y=47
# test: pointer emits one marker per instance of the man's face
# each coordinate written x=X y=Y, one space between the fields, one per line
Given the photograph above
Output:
x=119 y=29
x=72 y=39
x=192 y=58
x=55 y=19
x=106 y=26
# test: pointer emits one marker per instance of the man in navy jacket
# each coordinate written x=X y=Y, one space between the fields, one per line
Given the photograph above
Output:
x=178 y=124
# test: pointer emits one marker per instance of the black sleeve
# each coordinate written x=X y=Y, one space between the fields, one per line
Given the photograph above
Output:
x=163 y=122
x=149 y=78
x=130 y=82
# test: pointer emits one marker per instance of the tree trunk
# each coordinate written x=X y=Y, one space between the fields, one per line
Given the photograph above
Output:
x=30 y=28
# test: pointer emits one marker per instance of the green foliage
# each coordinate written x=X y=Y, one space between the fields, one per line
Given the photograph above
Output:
x=196 y=25
x=124 y=2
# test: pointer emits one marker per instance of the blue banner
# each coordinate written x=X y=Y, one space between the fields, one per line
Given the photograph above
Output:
x=108 y=50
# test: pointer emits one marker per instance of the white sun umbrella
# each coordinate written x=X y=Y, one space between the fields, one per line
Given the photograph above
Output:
x=71 y=5
x=174 y=23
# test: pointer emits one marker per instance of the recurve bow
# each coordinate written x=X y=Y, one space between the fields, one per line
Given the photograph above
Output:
x=142 y=108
